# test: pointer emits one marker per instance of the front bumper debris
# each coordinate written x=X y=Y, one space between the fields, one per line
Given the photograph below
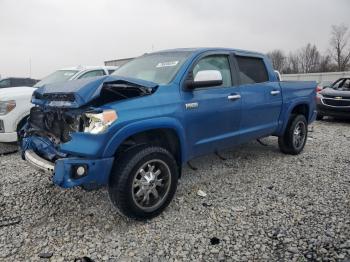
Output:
x=38 y=162
x=65 y=167
x=62 y=170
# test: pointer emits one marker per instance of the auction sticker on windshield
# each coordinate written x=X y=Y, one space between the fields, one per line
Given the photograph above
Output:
x=166 y=64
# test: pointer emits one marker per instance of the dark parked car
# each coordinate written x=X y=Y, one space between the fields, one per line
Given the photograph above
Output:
x=17 y=81
x=334 y=100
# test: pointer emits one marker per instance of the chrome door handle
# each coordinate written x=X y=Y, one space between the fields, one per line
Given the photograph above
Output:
x=233 y=97
x=275 y=92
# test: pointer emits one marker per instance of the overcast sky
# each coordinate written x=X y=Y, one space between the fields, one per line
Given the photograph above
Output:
x=58 y=33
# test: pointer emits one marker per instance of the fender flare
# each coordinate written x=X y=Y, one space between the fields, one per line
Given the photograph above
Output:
x=146 y=125
x=289 y=110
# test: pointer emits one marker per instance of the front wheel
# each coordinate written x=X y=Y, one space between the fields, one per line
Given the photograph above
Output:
x=143 y=182
x=295 y=136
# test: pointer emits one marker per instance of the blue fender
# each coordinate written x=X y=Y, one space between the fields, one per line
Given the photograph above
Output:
x=287 y=111
x=145 y=125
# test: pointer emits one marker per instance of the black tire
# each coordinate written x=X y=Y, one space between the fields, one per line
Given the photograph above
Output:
x=126 y=177
x=288 y=142
x=319 y=117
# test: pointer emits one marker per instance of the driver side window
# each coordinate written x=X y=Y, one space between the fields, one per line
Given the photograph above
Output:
x=215 y=62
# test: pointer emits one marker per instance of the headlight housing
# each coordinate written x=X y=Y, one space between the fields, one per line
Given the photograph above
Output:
x=7 y=106
x=99 y=122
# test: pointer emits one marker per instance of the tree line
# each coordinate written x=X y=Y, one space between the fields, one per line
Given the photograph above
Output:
x=309 y=59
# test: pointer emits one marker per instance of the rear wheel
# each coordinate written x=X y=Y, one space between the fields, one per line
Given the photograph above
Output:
x=295 y=136
x=143 y=182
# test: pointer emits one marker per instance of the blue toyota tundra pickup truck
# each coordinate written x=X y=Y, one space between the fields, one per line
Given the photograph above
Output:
x=132 y=131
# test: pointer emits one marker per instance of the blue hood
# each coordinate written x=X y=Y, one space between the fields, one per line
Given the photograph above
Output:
x=76 y=93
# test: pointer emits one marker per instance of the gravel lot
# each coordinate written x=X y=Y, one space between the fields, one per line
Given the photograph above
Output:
x=260 y=205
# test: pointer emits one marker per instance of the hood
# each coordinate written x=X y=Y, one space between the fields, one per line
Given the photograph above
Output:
x=11 y=93
x=330 y=92
x=76 y=93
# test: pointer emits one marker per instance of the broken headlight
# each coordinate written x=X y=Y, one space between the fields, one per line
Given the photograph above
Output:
x=7 y=106
x=99 y=122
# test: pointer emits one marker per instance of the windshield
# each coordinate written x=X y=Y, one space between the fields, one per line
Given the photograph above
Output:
x=4 y=83
x=57 y=76
x=342 y=84
x=159 y=68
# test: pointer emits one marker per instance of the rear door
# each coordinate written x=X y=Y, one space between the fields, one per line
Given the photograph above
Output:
x=212 y=114
x=261 y=98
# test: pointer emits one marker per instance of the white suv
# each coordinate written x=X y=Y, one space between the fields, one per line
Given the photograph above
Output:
x=15 y=102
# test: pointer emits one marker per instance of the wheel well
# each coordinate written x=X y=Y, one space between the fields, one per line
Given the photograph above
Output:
x=163 y=137
x=302 y=109
x=21 y=123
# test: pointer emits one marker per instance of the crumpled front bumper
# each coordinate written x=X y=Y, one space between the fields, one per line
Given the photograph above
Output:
x=38 y=162
x=63 y=169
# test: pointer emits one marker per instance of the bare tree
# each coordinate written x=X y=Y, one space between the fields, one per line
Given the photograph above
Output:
x=339 y=46
x=309 y=58
x=292 y=64
x=326 y=64
x=278 y=59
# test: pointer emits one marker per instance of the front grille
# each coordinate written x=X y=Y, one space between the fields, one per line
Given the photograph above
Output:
x=2 y=128
x=336 y=102
x=59 y=97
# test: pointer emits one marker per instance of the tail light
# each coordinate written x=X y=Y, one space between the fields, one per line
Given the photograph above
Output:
x=318 y=89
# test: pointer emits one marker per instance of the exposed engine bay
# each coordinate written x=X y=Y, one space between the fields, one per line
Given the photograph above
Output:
x=119 y=90
x=57 y=123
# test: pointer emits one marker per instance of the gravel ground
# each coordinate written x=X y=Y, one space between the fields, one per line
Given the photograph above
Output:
x=260 y=205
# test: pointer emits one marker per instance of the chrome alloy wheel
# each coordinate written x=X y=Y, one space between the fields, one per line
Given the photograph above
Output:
x=299 y=135
x=151 y=185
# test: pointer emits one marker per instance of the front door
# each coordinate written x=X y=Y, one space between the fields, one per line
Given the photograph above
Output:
x=212 y=114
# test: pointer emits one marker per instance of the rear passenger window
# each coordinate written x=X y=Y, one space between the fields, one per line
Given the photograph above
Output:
x=252 y=70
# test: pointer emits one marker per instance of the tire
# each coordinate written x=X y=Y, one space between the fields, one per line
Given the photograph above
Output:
x=136 y=174
x=319 y=117
x=294 y=138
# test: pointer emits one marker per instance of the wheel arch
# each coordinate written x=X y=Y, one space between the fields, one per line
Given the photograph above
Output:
x=165 y=131
x=300 y=107
x=21 y=121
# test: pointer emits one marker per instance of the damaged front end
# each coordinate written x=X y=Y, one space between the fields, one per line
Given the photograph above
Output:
x=47 y=140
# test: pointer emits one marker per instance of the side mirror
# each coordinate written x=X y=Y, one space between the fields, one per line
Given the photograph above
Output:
x=205 y=78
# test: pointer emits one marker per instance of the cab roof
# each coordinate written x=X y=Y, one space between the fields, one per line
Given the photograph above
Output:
x=206 y=49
